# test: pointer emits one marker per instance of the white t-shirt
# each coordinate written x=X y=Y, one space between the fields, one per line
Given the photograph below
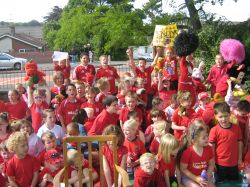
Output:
x=57 y=130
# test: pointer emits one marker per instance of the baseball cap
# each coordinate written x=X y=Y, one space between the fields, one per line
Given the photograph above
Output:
x=52 y=156
x=166 y=77
x=203 y=95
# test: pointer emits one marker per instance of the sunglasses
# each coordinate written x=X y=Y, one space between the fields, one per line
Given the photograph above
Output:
x=38 y=97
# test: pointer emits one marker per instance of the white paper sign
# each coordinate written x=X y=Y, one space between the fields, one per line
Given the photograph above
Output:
x=58 y=55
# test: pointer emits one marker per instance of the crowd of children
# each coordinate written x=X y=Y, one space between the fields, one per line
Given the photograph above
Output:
x=167 y=132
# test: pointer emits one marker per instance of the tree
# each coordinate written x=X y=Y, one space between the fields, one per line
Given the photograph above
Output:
x=54 y=15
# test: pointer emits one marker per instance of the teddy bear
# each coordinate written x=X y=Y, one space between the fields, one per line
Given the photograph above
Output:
x=33 y=74
x=159 y=65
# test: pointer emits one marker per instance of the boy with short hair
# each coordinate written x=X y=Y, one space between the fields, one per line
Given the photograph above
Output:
x=147 y=175
x=53 y=164
x=106 y=117
x=226 y=140
x=22 y=169
x=108 y=72
x=84 y=69
x=69 y=106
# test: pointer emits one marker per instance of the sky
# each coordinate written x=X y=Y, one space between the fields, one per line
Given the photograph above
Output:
x=27 y=10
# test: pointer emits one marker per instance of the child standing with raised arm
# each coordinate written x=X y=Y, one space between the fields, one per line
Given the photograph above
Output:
x=197 y=158
x=108 y=72
x=217 y=71
x=37 y=104
x=22 y=169
x=226 y=140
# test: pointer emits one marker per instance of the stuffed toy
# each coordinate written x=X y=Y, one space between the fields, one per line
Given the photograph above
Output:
x=159 y=65
x=33 y=75
x=197 y=80
x=185 y=44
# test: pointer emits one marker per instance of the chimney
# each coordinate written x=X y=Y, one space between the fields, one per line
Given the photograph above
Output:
x=12 y=30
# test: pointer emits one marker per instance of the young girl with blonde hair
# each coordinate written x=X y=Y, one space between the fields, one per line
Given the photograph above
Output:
x=167 y=152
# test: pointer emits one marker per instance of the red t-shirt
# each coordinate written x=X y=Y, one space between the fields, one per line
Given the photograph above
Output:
x=68 y=109
x=196 y=163
x=221 y=86
x=171 y=68
x=143 y=179
x=81 y=71
x=181 y=121
x=199 y=86
x=97 y=107
x=2 y=106
x=186 y=72
x=45 y=171
x=108 y=153
x=135 y=148
x=165 y=95
x=22 y=169
x=124 y=114
x=16 y=111
x=121 y=99
x=99 y=97
x=163 y=166
x=149 y=118
x=36 y=115
x=226 y=144
x=146 y=75
x=111 y=74
x=65 y=70
x=40 y=156
x=154 y=146
x=243 y=122
x=103 y=120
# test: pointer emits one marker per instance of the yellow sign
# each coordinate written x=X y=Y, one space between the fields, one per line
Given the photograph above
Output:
x=164 y=35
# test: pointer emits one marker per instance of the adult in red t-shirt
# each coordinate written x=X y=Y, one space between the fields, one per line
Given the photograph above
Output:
x=108 y=116
x=108 y=72
x=81 y=71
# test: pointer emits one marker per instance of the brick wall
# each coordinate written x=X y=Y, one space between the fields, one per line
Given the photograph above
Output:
x=39 y=57
x=16 y=45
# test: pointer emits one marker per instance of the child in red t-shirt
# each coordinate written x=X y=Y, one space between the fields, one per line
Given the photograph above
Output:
x=80 y=89
x=16 y=108
x=93 y=108
x=133 y=143
x=123 y=88
x=203 y=100
x=141 y=93
x=63 y=66
x=242 y=114
x=156 y=115
x=5 y=156
x=69 y=106
x=22 y=169
x=52 y=165
x=84 y=69
x=147 y=175
x=217 y=71
x=73 y=161
x=104 y=88
x=167 y=152
x=49 y=140
x=197 y=157
x=182 y=116
x=22 y=92
x=226 y=139
x=122 y=154
x=5 y=130
x=108 y=72
x=38 y=101
x=165 y=91
x=160 y=128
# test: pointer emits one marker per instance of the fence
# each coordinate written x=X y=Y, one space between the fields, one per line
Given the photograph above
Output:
x=8 y=78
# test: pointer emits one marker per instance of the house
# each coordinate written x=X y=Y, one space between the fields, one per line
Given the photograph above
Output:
x=19 y=42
